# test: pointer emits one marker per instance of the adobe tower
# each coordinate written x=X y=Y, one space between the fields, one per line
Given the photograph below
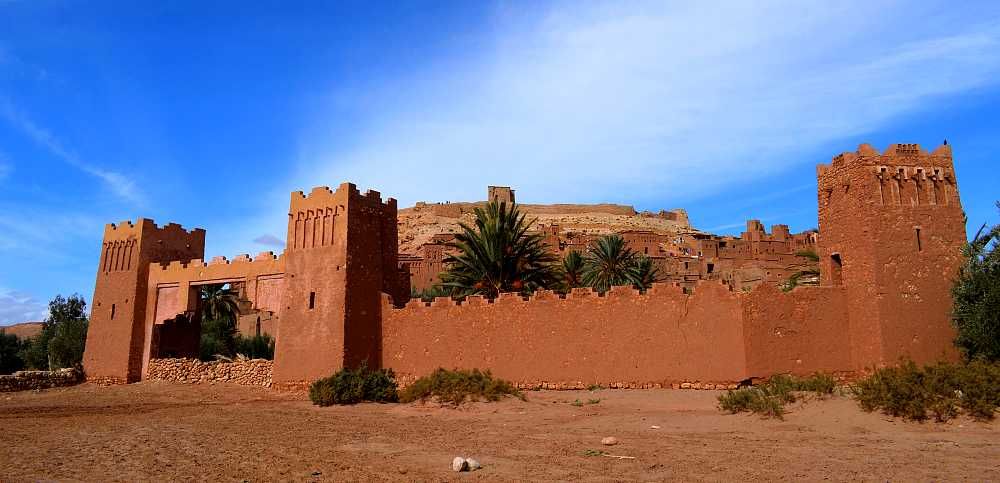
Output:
x=116 y=336
x=891 y=229
x=340 y=256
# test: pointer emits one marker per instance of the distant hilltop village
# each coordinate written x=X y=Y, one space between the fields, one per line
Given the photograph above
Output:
x=681 y=254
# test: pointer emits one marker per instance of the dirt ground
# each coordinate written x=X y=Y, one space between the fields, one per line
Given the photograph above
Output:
x=161 y=431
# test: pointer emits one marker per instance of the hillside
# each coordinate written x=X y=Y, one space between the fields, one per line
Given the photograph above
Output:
x=419 y=224
x=23 y=330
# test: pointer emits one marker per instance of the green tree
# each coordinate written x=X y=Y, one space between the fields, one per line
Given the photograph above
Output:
x=976 y=297
x=609 y=262
x=572 y=270
x=10 y=353
x=219 y=310
x=69 y=339
x=497 y=254
x=63 y=336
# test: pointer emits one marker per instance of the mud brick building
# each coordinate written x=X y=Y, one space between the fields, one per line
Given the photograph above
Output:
x=890 y=232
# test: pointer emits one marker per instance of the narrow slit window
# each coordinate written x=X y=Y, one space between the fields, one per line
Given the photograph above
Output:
x=112 y=311
x=920 y=246
x=312 y=300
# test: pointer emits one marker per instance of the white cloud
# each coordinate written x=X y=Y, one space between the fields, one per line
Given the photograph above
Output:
x=16 y=307
x=119 y=184
x=628 y=102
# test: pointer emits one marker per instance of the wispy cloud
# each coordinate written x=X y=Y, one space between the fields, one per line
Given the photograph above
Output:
x=16 y=307
x=634 y=102
x=269 y=240
x=119 y=184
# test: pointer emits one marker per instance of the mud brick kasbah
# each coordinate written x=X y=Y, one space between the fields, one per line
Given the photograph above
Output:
x=890 y=232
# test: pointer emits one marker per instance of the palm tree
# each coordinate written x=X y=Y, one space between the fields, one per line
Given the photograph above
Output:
x=572 y=270
x=498 y=254
x=644 y=274
x=219 y=302
x=219 y=308
x=608 y=263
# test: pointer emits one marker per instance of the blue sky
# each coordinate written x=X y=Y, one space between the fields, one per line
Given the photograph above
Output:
x=209 y=115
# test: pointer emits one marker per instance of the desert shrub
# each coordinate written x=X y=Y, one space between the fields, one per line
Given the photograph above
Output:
x=10 y=349
x=940 y=390
x=769 y=399
x=457 y=386
x=256 y=347
x=351 y=386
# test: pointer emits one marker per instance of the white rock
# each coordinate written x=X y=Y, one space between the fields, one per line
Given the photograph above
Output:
x=609 y=441
x=459 y=464
x=473 y=464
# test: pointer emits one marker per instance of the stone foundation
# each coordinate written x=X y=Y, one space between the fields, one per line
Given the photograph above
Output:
x=247 y=372
x=28 y=380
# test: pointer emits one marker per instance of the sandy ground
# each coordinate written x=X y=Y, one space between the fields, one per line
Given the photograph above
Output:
x=160 y=431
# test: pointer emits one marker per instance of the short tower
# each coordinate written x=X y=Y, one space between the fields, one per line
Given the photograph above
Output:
x=500 y=194
x=341 y=254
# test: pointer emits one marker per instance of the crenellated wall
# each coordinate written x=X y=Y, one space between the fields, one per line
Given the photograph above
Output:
x=173 y=291
x=891 y=229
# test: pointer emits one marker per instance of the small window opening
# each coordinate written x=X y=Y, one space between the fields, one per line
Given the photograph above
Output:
x=312 y=300
x=920 y=246
x=836 y=269
x=112 y=311
x=711 y=268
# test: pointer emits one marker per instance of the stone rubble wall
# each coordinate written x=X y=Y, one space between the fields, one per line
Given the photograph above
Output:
x=247 y=372
x=29 y=380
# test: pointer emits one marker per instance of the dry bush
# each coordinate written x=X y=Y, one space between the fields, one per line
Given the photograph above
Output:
x=940 y=390
x=457 y=386
x=351 y=386
x=769 y=399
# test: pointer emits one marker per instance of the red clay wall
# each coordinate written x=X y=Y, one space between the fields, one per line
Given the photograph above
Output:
x=798 y=332
x=660 y=337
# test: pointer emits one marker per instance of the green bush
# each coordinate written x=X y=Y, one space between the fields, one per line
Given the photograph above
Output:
x=10 y=353
x=940 y=390
x=63 y=337
x=218 y=337
x=769 y=399
x=457 y=386
x=976 y=297
x=351 y=386
x=256 y=347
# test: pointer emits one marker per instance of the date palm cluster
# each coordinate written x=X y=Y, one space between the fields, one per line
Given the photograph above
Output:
x=498 y=253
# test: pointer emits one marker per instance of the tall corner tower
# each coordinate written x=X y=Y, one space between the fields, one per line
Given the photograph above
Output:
x=118 y=309
x=891 y=232
x=341 y=254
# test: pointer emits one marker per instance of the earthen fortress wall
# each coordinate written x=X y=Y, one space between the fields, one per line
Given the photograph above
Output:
x=891 y=232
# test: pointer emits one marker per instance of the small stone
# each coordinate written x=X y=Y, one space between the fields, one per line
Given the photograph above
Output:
x=473 y=464
x=654 y=427
x=459 y=464
x=609 y=441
